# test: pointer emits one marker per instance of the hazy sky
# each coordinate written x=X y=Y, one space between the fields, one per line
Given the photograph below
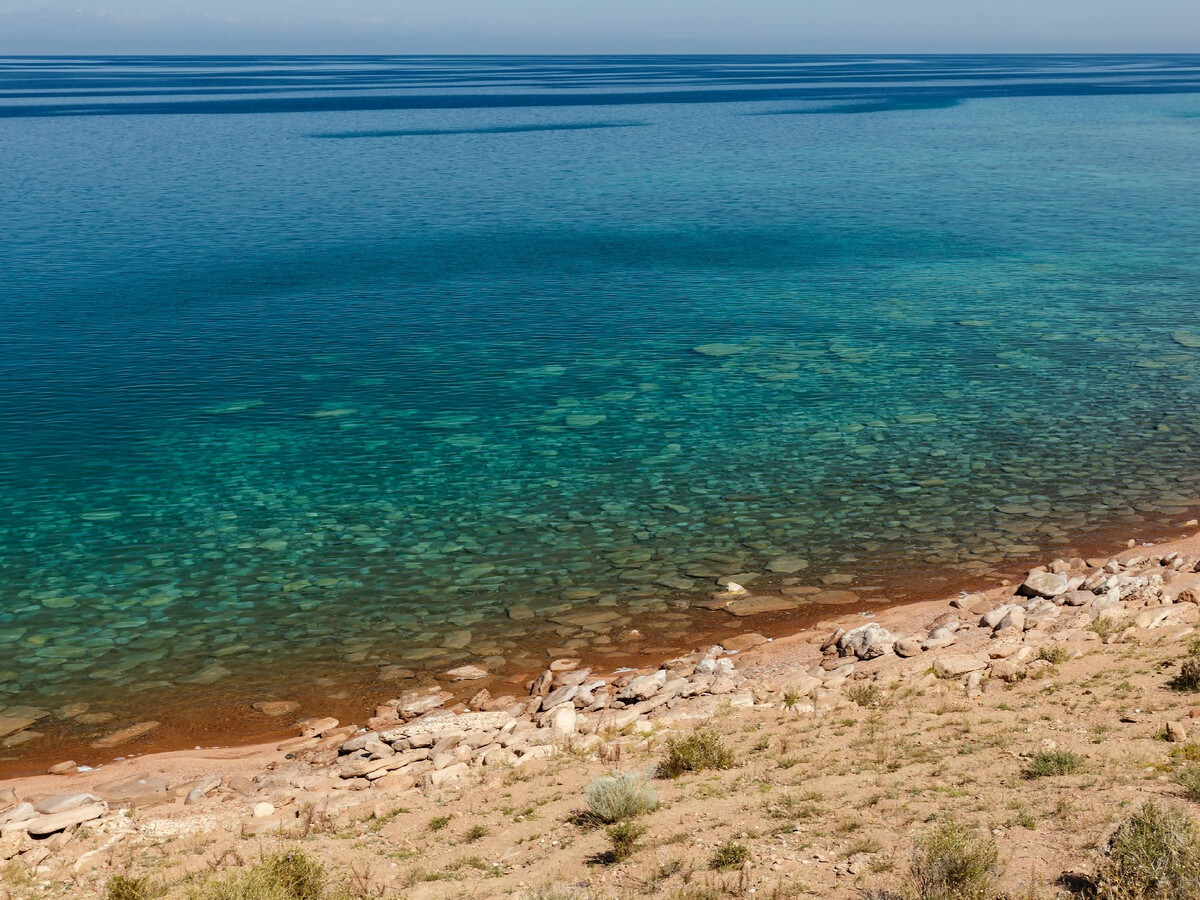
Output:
x=589 y=26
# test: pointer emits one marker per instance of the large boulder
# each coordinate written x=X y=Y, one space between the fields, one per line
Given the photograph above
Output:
x=954 y=666
x=867 y=641
x=1045 y=584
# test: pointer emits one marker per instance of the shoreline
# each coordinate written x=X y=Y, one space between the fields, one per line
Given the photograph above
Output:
x=229 y=722
x=962 y=656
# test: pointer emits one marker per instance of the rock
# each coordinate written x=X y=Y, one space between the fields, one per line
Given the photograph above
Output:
x=135 y=788
x=317 y=727
x=719 y=349
x=867 y=641
x=396 y=673
x=464 y=722
x=125 y=735
x=63 y=768
x=195 y=795
x=12 y=843
x=262 y=810
x=992 y=618
x=13 y=724
x=275 y=708
x=562 y=695
x=1175 y=732
x=1007 y=670
x=1014 y=618
x=954 y=666
x=57 y=803
x=743 y=642
x=787 y=565
x=1044 y=584
x=938 y=638
x=907 y=647
x=467 y=673
x=43 y=825
x=563 y=721
x=643 y=687
x=1076 y=598
x=443 y=777
x=833 y=598
x=754 y=606
x=564 y=664
x=421 y=700
x=500 y=758
x=20 y=813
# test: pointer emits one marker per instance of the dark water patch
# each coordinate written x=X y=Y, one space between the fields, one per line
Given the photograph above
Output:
x=487 y=129
x=892 y=104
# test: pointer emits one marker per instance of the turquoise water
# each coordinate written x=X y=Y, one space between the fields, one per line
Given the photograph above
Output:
x=343 y=358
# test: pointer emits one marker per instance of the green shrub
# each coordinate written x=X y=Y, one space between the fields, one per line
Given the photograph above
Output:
x=1053 y=762
x=730 y=855
x=620 y=797
x=1154 y=855
x=1189 y=780
x=698 y=751
x=285 y=876
x=437 y=823
x=948 y=863
x=1188 y=679
x=623 y=838
x=122 y=887
x=1053 y=654
x=868 y=696
x=475 y=833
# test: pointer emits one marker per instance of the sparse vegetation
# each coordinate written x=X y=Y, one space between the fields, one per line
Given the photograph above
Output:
x=619 y=797
x=698 y=751
x=949 y=863
x=286 y=876
x=437 y=823
x=868 y=696
x=1188 y=679
x=730 y=855
x=1053 y=654
x=623 y=840
x=1189 y=779
x=123 y=887
x=1154 y=855
x=1046 y=763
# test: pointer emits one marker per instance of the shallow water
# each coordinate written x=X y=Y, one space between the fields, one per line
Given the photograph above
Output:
x=340 y=359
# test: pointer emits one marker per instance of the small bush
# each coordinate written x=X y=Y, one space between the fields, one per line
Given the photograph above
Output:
x=1108 y=625
x=437 y=823
x=1154 y=855
x=1053 y=762
x=1189 y=780
x=122 y=887
x=868 y=696
x=1188 y=679
x=730 y=855
x=623 y=838
x=620 y=797
x=475 y=833
x=695 y=753
x=1053 y=654
x=948 y=863
x=286 y=876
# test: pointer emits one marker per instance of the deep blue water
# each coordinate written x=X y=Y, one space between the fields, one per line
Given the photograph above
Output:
x=346 y=355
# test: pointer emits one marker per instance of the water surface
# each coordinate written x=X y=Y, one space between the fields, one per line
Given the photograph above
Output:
x=341 y=360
